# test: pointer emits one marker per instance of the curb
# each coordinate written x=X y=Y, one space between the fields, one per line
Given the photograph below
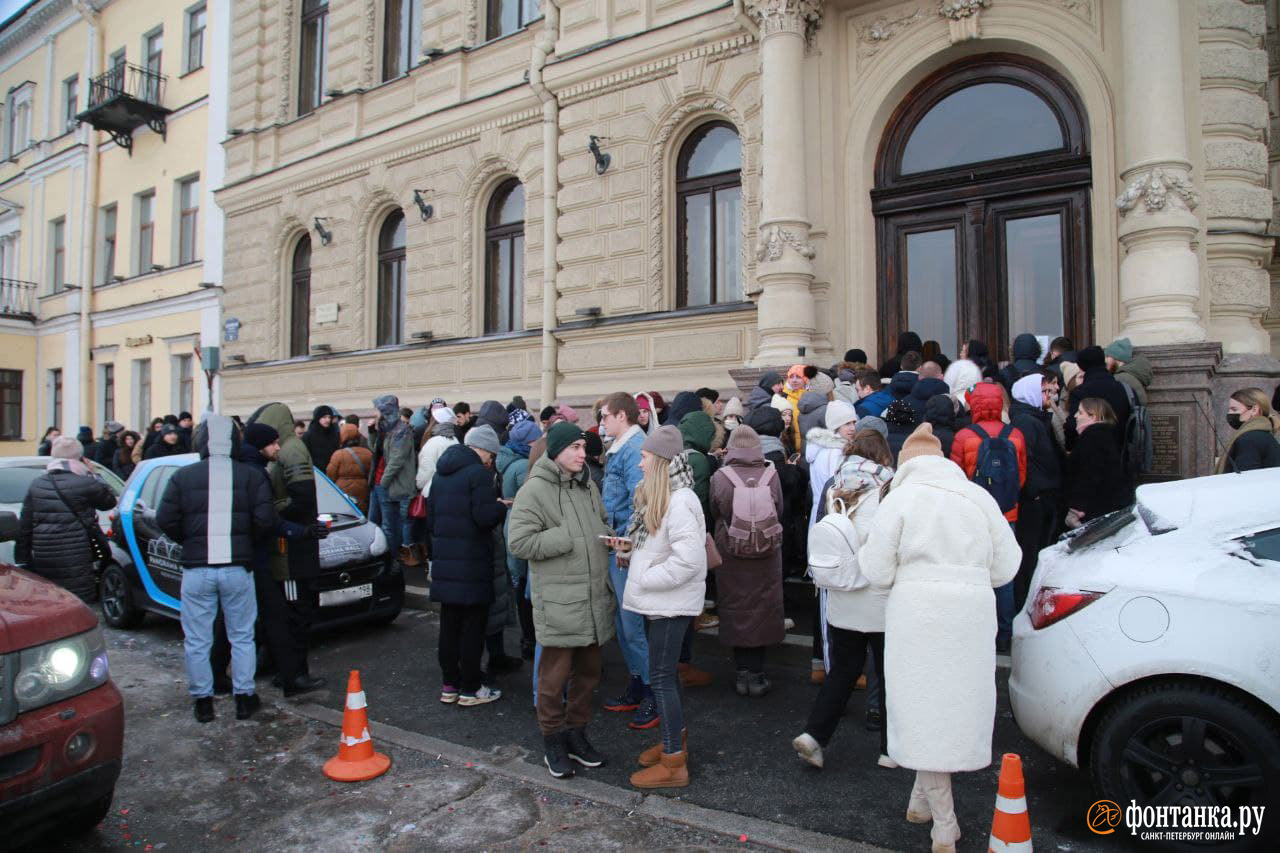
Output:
x=512 y=766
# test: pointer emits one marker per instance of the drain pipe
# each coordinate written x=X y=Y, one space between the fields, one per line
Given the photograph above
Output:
x=88 y=218
x=543 y=46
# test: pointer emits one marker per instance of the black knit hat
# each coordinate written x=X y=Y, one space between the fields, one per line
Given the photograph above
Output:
x=561 y=436
x=259 y=435
x=766 y=420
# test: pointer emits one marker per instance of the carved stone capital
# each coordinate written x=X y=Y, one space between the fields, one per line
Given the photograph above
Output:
x=786 y=16
x=774 y=239
x=1158 y=189
x=957 y=10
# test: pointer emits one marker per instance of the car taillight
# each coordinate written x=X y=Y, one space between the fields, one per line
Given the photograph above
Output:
x=1052 y=604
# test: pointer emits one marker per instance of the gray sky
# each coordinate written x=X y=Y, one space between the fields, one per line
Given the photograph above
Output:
x=8 y=7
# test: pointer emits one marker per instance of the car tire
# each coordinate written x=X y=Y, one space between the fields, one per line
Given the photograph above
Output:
x=85 y=819
x=116 y=599
x=387 y=618
x=1138 y=756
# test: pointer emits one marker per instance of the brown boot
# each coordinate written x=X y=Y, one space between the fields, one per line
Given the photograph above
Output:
x=408 y=557
x=670 y=772
x=653 y=754
x=690 y=677
x=421 y=551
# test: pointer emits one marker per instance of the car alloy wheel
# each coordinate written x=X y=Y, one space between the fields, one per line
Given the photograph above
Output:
x=117 y=602
x=1188 y=760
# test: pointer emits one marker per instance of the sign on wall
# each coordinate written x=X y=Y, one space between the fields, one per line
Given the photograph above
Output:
x=231 y=329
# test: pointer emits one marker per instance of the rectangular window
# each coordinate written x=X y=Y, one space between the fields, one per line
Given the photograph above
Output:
x=57 y=254
x=141 y=390
x=108 y=271
x=188 y=216
x=506 y=16
x=184 y=371
x=117 y=64
x=108 y=385
x=146 y=231
x=70 y=101
x=55 y=398
x=399 y=38
x=195 y=38
x=18 y=114
x=153 y=56
x=313 y=52
x=11 y=404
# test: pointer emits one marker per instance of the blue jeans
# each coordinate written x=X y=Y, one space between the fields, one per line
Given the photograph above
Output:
x=392 y=520
x=413 y=531
x=665 y=636
x=629 y=627
x=203 y=588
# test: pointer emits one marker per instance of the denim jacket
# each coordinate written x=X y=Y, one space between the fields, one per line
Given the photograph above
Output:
x=621 y=476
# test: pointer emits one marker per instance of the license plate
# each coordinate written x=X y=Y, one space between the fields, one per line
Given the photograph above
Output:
x=346 y=596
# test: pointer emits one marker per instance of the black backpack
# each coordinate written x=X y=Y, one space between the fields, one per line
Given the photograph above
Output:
x=1135 y=449
x=997 y=468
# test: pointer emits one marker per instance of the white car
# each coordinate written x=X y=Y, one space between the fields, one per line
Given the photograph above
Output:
x=1149 y=649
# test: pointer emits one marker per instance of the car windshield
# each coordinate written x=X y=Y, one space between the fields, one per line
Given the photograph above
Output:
x=1101 y=528
x=330 y=499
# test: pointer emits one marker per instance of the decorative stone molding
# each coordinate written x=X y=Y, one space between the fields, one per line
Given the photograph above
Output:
x=653 y=70
x=873 y=35
x=287 y=230
x=368 y=46
x=1152 y=188
x=962 y=18
x=1082 y=9
x=474 y=197
x=285 y=74
x=774 y=239
x=786 y=16
x=659 y=155
x=472 y=35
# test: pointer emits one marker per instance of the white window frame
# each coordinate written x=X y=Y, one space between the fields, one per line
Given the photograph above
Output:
x=68 y=112
x=188 y=16
x=102 y=391
x=135 y=390
x=175 y=383
x=17 y=105
x=138 y=266
x=55 y=378
x=176 y=248
x=57 y=228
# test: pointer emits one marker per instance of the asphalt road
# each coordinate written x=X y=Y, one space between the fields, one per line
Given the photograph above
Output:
x=740 y=755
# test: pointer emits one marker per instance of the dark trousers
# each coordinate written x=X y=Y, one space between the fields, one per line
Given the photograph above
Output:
x=665 y=637
x=302 y=603
x=750 y=658
x=579 y=669
x=817 y=626
x=524 y=608
x=273 y=631
x=848 y=653
x=1037 y=520
x=461 y=644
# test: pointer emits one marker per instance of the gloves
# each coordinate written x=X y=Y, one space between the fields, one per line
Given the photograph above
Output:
x=316 y=530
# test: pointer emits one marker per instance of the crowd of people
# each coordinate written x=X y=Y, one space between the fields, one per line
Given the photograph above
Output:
x=943 y=478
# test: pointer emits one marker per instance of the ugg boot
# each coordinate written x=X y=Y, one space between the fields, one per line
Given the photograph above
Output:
x=691 y=677
x=653 y=754
x=670 y=772
x=408 y=557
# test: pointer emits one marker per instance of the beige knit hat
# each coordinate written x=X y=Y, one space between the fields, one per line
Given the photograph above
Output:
x=1069 y=371
x=922 y=442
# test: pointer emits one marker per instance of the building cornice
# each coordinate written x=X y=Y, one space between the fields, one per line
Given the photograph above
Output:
x=32 y=22
x=193 y=301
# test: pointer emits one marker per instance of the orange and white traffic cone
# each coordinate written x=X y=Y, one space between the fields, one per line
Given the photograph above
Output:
x=356 y=760
x=1011 y=826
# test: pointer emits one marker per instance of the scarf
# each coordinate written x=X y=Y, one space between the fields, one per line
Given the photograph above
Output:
x=681 y=477
x=75 y=466
x=447 y=429
x=859 y=475
x=1258 y=424
x=772 y=444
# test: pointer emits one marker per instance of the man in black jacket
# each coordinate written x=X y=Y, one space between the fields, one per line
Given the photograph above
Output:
x=216 y=509
x=1038 y=505
x=104 y=449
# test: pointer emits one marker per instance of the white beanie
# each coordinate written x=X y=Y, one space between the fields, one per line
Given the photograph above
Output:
x=839 y=413
x=442 y=415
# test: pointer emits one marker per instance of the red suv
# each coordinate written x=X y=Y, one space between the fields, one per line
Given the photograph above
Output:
x=61 y=717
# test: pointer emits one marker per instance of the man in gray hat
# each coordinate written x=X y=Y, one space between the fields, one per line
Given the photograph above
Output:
x=104 y=449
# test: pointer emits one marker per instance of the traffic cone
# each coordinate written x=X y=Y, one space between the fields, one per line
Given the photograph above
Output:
x=1011 y=826
x=356 y=761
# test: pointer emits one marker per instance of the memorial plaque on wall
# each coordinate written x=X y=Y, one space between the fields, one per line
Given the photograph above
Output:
x=1166 y=446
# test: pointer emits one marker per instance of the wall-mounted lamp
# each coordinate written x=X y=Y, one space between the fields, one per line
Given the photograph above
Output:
x=425 y=209
x=326 y=236
x=590 y=311
x=322 y=347
x=602 y=159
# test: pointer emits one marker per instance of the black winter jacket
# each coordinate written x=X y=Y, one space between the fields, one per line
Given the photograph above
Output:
x=1253 y=450
x=104 y=452
x=902 y=383
x=51 y=540
x=923 y=391
x=1044 y=459
x=194 y=494
x=321 y=442
x=1095 y=482
x=463 y=509
x=160 y=448
x=1098 y=382
x=940 y=412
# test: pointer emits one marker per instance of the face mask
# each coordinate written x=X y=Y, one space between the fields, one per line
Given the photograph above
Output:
x=731 y=423
x=1233 y=420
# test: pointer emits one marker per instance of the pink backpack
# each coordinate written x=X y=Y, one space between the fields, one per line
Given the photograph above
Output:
x=754 y=530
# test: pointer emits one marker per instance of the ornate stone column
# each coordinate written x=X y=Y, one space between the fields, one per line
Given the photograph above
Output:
x=785 y=317
x=1159 y=274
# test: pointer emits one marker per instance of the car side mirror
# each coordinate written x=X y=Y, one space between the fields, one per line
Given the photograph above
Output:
x=8 y=527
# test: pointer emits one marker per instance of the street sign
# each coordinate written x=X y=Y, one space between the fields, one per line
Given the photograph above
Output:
x=231 y=329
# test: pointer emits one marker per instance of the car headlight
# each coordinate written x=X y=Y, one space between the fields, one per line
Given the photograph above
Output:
x=379 y=544
x=61 y=669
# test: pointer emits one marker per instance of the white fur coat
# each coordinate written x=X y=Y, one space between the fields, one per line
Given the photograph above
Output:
x=668 y=575
x=941 y=544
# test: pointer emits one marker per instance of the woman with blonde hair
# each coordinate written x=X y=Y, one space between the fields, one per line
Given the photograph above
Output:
x=666 y=540
x=1254 y=444
x=1095 y=482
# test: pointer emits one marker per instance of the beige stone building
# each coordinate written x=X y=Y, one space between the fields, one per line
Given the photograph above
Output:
x=478 y=198
x=107 y=226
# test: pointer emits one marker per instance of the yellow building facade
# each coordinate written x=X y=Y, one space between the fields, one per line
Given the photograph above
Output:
x=110 y=246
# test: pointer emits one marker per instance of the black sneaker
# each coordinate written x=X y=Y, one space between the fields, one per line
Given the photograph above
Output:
x=646 y=716
x=556 y=755
x=204 y=709
x=304 y=684
x=581 y=750
x=246 y=704
x=874 y=721
x=630 y=698
x=221 y=685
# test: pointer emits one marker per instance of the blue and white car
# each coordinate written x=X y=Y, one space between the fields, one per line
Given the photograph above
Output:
x=359 y=581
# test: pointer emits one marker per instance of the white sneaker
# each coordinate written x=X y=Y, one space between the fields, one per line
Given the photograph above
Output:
x=788 y=624
x=808 y=749
x=483 y=696
x=886 y=761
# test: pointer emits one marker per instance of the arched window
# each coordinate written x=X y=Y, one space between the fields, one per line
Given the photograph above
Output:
x=504 y=259
x=300 y=299
x=391 y=283
x=982 y=208
x=709 y=217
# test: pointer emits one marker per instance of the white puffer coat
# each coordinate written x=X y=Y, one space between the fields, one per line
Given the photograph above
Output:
x=941 y=545
x=668 y=574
